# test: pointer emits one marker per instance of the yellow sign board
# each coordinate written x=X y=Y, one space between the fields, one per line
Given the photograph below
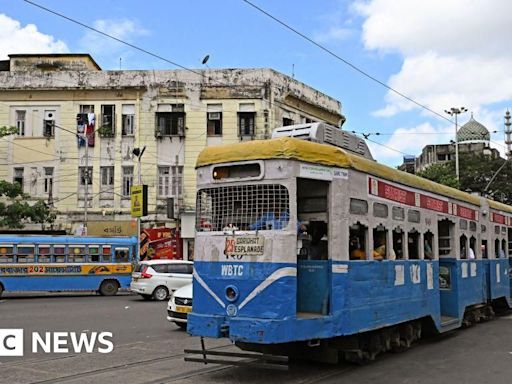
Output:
x=138 y=200
x=111 y=228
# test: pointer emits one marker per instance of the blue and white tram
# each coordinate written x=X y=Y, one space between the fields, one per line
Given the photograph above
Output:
x=306 y=249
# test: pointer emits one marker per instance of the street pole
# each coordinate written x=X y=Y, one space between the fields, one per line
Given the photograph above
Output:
x=455 y=112
x=139 y=152
x=86 y=192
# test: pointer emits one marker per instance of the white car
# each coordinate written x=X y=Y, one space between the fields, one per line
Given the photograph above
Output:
x=180 y=304
x=156 y=279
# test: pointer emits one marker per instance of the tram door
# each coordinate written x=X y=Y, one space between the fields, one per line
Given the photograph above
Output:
x=313 y=272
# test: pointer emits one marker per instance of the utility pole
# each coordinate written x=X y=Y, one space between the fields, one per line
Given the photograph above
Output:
x=139 y=152
x=455 y=112
x=86 y=192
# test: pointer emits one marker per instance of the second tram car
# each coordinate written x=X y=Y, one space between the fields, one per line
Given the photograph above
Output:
x=307 y=249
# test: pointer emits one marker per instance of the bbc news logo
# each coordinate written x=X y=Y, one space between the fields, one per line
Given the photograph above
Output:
x=11 y=342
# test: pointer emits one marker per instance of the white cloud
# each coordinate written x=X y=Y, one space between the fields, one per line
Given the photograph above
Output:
x=408 y=141
x=333 y=34
x=122 y=29
x=17 y=39
x=454 y=52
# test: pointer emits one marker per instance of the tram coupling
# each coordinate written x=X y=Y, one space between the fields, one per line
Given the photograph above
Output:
x=243 y=359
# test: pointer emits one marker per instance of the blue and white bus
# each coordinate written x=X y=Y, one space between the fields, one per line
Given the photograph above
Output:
x=66 y=263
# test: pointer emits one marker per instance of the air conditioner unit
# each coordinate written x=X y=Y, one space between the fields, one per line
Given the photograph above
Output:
x=214 y=115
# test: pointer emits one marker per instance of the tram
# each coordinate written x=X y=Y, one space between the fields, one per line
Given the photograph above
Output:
x=311 y=249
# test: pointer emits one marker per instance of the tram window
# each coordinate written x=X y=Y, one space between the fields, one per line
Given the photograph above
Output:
x=358 y=206
x=357 y=245
x=497 y=229
x=380 y=210
x=379 y=243
x=509 y=238
x=485 y=255
x=497 y=248
x=503 y=230
x=472 y=226
x=463 y=247
x=240 y=171
x=413 y=216
x=444 y=229
x=483 y=228
x=398 y=213
x=503 y=249
x=413 y=244
x=472 y=248
x=398 y=243
x=463 y=224
x=428 y=243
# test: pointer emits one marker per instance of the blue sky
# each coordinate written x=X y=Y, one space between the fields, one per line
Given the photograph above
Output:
x=439 y=53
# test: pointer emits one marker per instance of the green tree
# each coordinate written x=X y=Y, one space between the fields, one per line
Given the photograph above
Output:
x=442 y=173
x=15 y=209
x=6 y=131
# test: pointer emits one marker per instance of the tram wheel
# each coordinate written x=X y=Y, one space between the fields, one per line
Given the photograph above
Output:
x=108 y=288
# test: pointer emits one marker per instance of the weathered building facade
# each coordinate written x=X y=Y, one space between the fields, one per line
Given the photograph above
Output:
x=78 y=126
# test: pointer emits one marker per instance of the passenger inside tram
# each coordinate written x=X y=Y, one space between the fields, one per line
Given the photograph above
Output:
x=357 y=243
x=379 y=244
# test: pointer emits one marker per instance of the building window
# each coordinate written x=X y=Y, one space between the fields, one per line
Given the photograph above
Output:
x=128 y=120
x=287 y=121
x=214 y=123
x=107 y=176
x=20 y=122
x=49 y=124
x=48 y=180
x=171 y=123
x=85 y=175
x=127 y=180
x=246 y=123
x=164 y=179
x=177 y=180
x=84 y=108
x=18 y=176
x=107 y=121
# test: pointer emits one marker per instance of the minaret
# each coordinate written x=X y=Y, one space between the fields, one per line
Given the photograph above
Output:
x=508 y=135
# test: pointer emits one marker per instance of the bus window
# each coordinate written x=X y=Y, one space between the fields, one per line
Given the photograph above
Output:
x=26 y=253
x=94 y=253
x=357 y=245
x=106 y=255
x=6 y=254
x=44 y=254
x=59 y=253
x=122 y=255
x=77 y=254
x=379 y=242
x=398 y=243
x=413 y=244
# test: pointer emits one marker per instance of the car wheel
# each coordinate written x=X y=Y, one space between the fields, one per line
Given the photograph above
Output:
x=146 y=297
x=160 y=293
x=181 y=325
x=108 y=288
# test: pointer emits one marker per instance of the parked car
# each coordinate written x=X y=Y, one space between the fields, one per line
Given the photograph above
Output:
x=156 y=279
x=180 y=304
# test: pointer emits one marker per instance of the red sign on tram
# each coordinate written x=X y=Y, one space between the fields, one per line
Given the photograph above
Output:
x=416 y=199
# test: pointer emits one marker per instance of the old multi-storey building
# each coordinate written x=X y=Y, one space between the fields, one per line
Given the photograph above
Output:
x=78 y=126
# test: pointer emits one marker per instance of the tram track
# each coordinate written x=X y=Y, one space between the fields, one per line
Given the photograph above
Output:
x=91 y=373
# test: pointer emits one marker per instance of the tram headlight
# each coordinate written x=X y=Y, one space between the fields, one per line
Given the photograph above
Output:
x=231 y=293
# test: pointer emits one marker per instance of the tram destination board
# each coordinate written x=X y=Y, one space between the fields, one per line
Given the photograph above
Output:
x=239 y=246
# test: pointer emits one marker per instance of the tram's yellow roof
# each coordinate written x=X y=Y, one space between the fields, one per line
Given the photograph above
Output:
x=324 y=154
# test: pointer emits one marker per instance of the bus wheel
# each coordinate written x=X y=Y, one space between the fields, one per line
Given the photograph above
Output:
x=108 y=288
x=160 y=293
